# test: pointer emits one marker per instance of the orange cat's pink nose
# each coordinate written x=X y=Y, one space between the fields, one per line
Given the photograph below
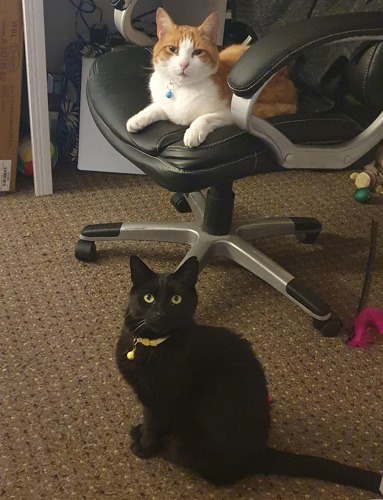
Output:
x=184 y=65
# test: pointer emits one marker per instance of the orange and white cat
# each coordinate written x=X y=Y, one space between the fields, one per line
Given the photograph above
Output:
x=189 y=82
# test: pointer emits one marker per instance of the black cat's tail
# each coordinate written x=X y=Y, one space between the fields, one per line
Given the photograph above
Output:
x=295 y=465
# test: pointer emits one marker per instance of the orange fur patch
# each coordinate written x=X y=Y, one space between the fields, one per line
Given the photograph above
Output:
x=278 y=97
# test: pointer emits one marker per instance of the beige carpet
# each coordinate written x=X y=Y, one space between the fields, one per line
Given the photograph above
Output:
x=65 y=411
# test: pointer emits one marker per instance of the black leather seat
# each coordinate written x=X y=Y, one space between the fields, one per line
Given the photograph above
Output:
x=117 y=89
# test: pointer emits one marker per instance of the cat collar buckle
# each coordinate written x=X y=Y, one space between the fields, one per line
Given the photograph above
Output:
x=170 y=87
x=146 y=342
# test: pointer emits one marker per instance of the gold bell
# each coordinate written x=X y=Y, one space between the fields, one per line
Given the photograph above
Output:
x=131 y=354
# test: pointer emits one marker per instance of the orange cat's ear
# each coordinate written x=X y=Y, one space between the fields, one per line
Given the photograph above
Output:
x=164 y=22
x=210 y=26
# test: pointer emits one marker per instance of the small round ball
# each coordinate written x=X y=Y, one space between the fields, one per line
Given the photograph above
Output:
x=24 y=156
x=362 y=195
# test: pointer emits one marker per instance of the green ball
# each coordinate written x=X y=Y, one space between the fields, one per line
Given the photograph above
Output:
x=362 y=195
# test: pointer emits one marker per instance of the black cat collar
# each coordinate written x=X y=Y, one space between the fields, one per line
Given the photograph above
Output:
x=145 y=342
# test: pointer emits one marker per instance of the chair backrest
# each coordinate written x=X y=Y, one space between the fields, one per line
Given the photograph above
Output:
x=364 y=76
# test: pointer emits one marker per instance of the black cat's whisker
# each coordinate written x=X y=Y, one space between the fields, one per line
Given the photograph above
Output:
x=128 y=314
x=141 y=326
x=140 y=321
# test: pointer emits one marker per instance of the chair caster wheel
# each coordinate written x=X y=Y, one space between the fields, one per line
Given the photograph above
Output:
x=307 y=238
x=85 y=251
x=328 y=328
x=180 y=203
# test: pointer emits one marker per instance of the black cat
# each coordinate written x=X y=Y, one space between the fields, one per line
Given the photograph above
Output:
x=203 y=391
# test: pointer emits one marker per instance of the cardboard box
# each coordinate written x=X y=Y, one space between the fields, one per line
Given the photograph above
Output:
x=11 y=61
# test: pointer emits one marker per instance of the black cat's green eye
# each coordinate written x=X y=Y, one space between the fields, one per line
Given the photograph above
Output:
x=173 y=49
x=149 y=298
x=197 y=52
x=176 y=299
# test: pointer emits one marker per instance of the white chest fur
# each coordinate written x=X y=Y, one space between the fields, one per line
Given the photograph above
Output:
x=187 y=102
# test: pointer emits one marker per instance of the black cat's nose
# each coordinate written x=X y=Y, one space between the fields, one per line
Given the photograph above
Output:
x=159 y=322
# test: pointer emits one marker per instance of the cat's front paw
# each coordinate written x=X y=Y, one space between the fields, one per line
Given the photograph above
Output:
x=143 y=445
x=136 y=432
x=194 y=136
x=136 y=123
x=138 y=445
x=142 y=452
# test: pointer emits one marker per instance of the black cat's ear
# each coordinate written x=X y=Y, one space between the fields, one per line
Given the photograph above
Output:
x=140 y=272
x=188 y=272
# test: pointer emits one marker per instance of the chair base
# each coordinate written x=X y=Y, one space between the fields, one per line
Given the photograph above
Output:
x=235 y=245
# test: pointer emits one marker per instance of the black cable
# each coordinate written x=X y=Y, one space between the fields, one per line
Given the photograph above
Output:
x=369 y=265
x=138 y=18
x=82 y=8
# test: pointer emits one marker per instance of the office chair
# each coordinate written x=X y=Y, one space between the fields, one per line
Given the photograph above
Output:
x=336 y=139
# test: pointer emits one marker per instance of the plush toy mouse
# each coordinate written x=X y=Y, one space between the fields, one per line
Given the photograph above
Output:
x=370 y=178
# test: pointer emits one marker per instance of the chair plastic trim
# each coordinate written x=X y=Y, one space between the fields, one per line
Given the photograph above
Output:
x=290 y=155
x=123 y=22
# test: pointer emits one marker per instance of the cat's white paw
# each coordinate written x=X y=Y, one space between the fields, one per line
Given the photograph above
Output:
x=194 y=136
x=136 y=123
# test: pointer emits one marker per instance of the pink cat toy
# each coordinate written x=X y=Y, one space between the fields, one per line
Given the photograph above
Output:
x=368 y=322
